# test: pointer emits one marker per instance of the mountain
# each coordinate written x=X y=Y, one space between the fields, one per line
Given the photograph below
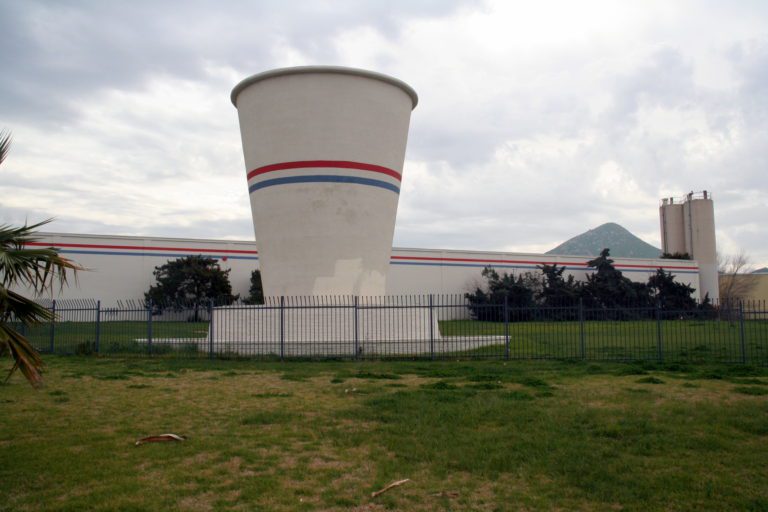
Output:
x=763 y=270
x=620 y=241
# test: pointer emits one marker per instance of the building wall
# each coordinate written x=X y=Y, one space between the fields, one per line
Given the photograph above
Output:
x=450 y=271
x=760 y=291
x=755 y=287
x=120 y=267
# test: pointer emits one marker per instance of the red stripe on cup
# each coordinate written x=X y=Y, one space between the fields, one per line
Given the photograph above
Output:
x=332 y=164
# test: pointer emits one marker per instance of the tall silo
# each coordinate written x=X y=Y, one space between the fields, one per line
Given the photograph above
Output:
x=688 y=226
x=672 y=226
x=699 y=218
x=324 y=148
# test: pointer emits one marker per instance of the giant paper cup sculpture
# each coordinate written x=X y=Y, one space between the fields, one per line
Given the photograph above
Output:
x=324 y=149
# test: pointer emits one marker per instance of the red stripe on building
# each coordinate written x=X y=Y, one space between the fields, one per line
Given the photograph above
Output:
x=333 y=164
x=143 y=248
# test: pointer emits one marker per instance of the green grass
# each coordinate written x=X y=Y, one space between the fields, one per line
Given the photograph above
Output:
x=681 y=340
x=117 y=337
x=470 y=436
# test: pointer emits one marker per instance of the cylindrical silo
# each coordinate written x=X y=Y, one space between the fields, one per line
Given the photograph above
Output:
x=324 y=149
x=699 y=218
x=672 y=226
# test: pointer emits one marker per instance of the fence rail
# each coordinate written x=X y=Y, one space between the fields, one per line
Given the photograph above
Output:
x=407 y=327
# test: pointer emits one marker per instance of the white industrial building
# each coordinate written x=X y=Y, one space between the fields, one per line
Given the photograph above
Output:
x=120 y=267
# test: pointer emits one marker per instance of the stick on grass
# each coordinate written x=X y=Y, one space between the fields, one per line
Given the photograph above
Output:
x=390 y=486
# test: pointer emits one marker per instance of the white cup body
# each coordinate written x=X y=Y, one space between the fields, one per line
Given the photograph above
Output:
x=324 y=150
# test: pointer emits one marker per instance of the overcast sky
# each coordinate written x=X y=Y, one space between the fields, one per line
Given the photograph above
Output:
x=536 y=120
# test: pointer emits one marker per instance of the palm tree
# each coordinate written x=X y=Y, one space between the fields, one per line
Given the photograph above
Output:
x=34 y=269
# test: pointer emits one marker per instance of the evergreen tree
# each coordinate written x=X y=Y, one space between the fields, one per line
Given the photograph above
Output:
x=191 y=281
x=488 y=305
x=557 y=290
x=607 y=288
x=256 y=291
x=672 y=296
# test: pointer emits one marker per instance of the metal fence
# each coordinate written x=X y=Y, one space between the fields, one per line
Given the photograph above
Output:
x=407 y=327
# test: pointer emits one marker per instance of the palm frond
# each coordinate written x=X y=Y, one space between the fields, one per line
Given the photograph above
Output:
x=14 y=307
x=26 y=359
x=37 y=268
x=31 y=268
x=5 y=144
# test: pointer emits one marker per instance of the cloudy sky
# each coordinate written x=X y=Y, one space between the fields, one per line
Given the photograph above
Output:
x=536 y=121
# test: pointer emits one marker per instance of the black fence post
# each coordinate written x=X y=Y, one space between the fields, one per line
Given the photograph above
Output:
x=53 y=326
x=742 y=337
x=210 y=329
x=431 y=329
x=282 y=327
x=357 y=334
x=98 y=326
x=659 y=334
x=582 y=337
x=506 y=327
x=149 y=327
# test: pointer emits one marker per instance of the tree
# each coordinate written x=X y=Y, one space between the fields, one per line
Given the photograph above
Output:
x=35 y=269
x=607 y=288
x=671 y=295
x=256 y=291
x=190 y=281
x=518 y=292
x=736 y=281
x=557 y=290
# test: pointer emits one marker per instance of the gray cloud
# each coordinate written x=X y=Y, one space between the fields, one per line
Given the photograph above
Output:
x=61 y=53
x=520 y=141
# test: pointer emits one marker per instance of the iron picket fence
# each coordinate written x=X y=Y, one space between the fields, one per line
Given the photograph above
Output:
x=431 y=327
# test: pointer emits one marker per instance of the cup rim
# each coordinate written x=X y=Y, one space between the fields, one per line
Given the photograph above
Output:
x=339 y=70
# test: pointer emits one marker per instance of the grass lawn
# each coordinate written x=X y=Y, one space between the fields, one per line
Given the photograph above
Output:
x=115 y=337
x=322 y=436
x=697 y=341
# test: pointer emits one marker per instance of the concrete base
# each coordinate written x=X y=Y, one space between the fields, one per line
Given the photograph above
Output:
x=441 y=349
x=329 y=331
x=454 y=346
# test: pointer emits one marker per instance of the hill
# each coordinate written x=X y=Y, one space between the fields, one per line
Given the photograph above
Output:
x=619 y=240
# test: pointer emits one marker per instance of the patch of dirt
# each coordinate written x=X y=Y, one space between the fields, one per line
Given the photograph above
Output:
x=355 y=425
x=75 y=493
x=231 y=496
x=368 y=507
x=235 y=467
x=197 y=503
x=319 y=463
x=288 y=462
x=199 y=458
